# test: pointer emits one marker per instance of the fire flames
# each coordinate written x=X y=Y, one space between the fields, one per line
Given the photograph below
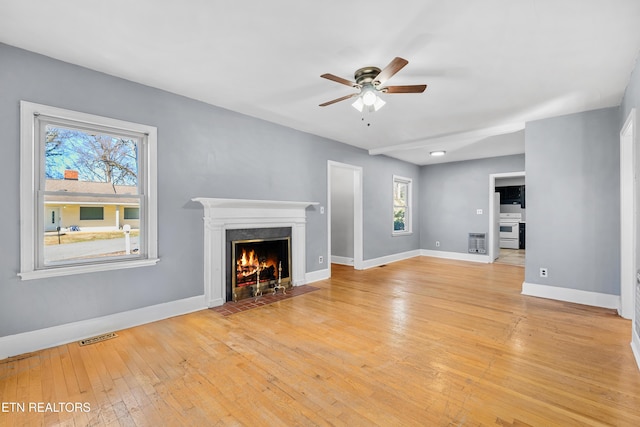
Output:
x=248 y=265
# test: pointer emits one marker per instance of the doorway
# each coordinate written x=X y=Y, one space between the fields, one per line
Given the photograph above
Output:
x=510 y=255
x=344 y=215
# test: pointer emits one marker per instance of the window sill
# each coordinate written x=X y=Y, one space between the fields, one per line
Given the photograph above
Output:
x=81 y=269
x=401 y=233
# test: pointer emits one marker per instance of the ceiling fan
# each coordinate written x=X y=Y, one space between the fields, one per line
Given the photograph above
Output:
x=370 y=81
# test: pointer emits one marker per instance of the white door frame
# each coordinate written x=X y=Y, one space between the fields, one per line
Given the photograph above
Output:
x=492 y=213
x=357 y=213
x=628 y=215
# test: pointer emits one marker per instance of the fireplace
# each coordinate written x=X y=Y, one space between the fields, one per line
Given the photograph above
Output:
x=223 y=215
x=258 y=261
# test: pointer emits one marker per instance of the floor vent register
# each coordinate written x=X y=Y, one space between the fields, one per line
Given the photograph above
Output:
x=98 y=338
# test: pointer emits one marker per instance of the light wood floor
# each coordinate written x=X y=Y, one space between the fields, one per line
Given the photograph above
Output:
x=422 y=342
x=511 y=257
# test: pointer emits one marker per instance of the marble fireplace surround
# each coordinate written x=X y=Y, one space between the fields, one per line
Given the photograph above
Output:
x=221 y=215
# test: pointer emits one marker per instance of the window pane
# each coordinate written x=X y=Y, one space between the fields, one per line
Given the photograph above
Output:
x=91 y=157
x=89 y=177
x=400 y=193
x=82 y=246
x=131 y=213
x=91 y=213
x=401 y=205
x=399 y=215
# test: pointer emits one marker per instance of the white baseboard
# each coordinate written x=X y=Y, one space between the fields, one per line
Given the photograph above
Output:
x=335 y=259
x=460 y=256
x=316 y=276
x=26 y=342
x=376 y=262
x=595 y=299
x=217 y=302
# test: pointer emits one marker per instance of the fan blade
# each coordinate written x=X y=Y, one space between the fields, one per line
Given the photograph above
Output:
x=387 y=72
x=339 y=80
x=338 y=99
x=404 y=89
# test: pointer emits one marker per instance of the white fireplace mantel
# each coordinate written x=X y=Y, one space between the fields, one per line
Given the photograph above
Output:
x=226 y=214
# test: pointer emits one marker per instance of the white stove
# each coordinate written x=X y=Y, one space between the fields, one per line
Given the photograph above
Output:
x=510 y=230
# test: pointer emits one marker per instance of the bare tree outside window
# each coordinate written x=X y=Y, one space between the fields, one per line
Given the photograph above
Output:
x=96 y=157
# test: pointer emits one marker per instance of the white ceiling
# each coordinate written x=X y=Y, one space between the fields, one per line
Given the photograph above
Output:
x=490 y=65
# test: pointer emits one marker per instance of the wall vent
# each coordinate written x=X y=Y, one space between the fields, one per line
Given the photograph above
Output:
x=477 y=243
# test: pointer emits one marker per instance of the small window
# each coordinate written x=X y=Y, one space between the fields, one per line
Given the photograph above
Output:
x=77 y=171
x=131 y=213
x=401 y=205
x=91 y=213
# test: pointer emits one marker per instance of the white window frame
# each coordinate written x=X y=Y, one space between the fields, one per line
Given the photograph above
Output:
x=409 y=207
x=31 y=162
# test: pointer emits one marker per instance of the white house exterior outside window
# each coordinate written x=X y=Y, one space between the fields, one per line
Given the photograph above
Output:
x=83 y=177
x=401 y=205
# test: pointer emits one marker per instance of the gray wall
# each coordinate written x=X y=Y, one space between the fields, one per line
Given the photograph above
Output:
x=450 y=194
x=202 y=151
x=342 y=212
x=573 y=201
x=504 y=182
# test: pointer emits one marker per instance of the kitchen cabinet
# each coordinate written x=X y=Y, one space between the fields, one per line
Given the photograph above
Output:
x=512 y=195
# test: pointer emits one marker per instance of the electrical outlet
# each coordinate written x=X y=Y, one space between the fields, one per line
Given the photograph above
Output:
x=320 y=259
x=321 y=210
x=544 y=272
x=437 y=243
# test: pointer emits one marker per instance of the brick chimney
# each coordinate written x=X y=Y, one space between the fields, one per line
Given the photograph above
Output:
x=71 y=174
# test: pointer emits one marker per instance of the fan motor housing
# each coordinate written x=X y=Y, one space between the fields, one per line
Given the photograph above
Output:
x=366 y=75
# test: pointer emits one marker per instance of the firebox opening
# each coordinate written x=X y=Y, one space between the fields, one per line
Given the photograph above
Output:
x=259 y=262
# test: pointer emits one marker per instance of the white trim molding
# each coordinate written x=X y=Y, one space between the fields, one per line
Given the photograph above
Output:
x=377 y=262
x=31 y=262
x=635 y=346
x=13 y=345
x=221 y=215
x=628 y=221
x=342 y=260
x=577 y=296
x=460 y=256
x=318 y=275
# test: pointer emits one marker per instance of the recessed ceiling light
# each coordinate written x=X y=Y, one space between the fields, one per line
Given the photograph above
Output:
x=437 y=153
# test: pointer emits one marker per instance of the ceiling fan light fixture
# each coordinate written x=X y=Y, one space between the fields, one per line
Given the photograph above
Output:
x=358 y=104
x=437 y=153
x=370 y=81
x=369 y=97
x=378 y=104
